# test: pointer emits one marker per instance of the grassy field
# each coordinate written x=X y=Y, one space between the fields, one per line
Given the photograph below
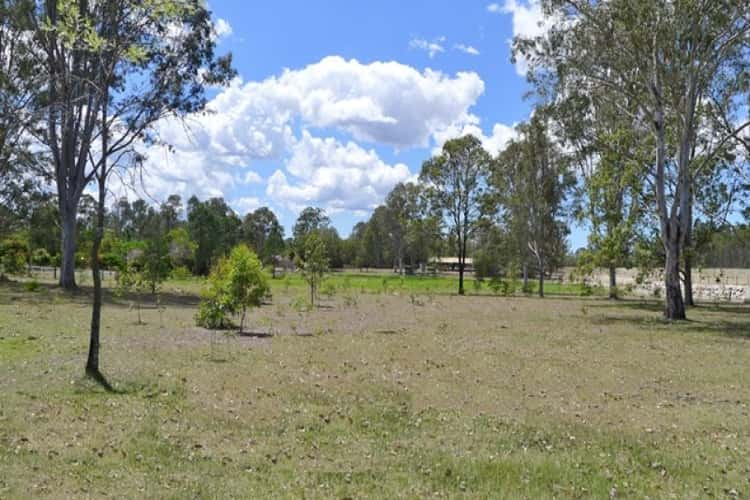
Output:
x=407 y=392
x=390 y=283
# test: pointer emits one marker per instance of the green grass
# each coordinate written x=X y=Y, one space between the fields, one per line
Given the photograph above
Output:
x=417 y=284
x=474 y=397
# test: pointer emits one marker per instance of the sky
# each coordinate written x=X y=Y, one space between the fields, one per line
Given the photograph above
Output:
x=336 y=101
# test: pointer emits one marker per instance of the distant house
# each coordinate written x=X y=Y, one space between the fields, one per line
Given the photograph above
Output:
x=450 y=264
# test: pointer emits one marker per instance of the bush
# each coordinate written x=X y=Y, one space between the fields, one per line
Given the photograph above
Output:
x=328 y=289
x=32 y=286
x=13 y=256
x=41 y=257
x=235 y=284
x=181 y=273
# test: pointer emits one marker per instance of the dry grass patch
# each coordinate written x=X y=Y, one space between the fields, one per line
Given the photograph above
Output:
x=393 y=396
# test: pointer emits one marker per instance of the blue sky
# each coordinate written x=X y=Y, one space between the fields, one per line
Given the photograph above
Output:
x=337 y=100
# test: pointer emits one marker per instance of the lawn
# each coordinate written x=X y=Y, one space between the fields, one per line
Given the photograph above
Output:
x=380 y=392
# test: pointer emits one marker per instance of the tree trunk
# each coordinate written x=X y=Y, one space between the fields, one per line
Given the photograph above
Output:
x=612 y=282
x=460 y=277
x=525 y=277
x=688 y=282
x=674 y=307
x=68 y=215
x=688 y=253
x=92 y=363
x=541 y=278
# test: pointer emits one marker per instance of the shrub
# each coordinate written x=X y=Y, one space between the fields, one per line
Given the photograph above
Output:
x=328 y=289
x=41 y=257
x=32 y=286
x=181 y=273
x=235 y=284
x=13 y=256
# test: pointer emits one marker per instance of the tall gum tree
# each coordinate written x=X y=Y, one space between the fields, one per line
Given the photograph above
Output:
x=139 y=61
x=456 y=181
x=116 y=67
x=666 y=57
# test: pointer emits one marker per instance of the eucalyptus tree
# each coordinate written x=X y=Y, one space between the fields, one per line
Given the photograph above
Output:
x=263 y=232
x=20 y=79
x=113 y=69
x=608 y=151
x=531 y=180
x=457 y=186
x=666 y=58
x=402 y=204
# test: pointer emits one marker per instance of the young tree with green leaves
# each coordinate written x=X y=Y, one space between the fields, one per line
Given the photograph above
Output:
x=236 y=284
x=315 y=265
x=456 y=182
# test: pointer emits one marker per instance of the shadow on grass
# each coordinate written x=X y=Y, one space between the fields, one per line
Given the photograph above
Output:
x=20 y=292
x=657 y=306
x=256 y=335
x=727 y=328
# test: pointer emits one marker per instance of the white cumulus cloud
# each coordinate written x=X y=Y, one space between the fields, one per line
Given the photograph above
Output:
x=387 y=104
x=346 y=176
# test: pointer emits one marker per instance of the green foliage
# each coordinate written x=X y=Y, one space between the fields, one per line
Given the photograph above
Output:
x=130 y=280
x=214 y=309
x=215 y=229
x=181 y=273
x=236 y=283
x=315 y=266
x=181 y=248
x=41 y=257
x=328 y=289
x=14 y=255
x=156 y=262
x=32 y=286
x=458 y=188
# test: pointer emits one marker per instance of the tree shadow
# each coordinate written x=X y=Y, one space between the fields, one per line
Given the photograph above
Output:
x=49 y=293
x=256 y=335
x=630 y=304
x=726 y=328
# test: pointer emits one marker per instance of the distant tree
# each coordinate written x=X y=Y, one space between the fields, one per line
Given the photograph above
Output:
x=310 y=220
x=457 y=180
x=532 y=181
x=376 y=250
x=315 y=265
x=262 y=231
x=215 y=229
x=156 y=263
x=181 y=248
x=170 y=212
